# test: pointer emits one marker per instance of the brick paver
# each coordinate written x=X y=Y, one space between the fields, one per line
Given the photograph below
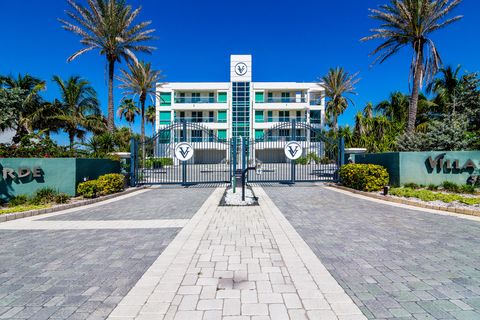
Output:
x=237 y=263
x=57 y=267
x=394 y=263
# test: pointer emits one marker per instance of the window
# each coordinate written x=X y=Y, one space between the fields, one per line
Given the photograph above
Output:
x=195 y=97
x=241 y=109
x=196 y=135
x=164 y=117
x=259 y=116
x=222 y=97
x=222 y=116
x=270 y=97
x=299 y=116
x=211 y=97
x=165 y=99
x=270 y=116
x=259 y=97
x=211 y=116
x=197 y=116
x=315 y=116
x=285 y=96
x=284 y=116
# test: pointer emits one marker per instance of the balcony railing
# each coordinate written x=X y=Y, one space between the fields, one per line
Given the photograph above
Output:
x=200 y=120
x=280 y=119
x=281 y=138
x=196 y=100
x=283 y=100
x=315 y=101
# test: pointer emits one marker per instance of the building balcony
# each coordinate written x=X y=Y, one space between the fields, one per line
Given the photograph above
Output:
x=281 y=103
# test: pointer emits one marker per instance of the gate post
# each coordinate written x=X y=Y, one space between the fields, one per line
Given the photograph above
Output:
x=133 y=158
x=293 y=134
x=183 y=138
x=341 y=156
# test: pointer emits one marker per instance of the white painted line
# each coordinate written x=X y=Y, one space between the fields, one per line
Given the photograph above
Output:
x=92 y=224
x=406 y=206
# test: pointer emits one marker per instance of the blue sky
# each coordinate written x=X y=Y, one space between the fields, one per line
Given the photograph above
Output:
x=289 y=40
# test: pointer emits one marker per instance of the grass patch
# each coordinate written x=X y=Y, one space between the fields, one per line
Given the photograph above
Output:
x=428 y=195
x=22 y=208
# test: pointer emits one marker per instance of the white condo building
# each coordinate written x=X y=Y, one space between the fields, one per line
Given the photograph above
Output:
x=240 y=108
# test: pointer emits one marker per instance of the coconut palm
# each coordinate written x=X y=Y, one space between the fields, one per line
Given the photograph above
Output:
x=80 y=111
x=140 y=81
x=107 y=25
x=129 y=110
x=151 y=116
x=338 y=84
x=410 y=23
x=29 y=89
x=446 y=87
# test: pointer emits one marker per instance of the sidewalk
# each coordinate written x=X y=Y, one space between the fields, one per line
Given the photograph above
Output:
x=237 y=263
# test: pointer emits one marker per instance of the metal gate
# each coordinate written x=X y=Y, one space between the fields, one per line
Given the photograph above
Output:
x=320 y=156
x=217 y=160
x=155 y=162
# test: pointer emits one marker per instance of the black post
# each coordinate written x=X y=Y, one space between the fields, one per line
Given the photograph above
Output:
x=183 y=138
x=133 y=158
x=293 y=134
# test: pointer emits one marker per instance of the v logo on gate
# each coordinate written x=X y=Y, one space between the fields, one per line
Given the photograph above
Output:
x=184 y=152
x=292 y=151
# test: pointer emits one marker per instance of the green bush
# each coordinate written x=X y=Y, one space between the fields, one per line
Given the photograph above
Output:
x=467 y=188
x=411 y=185
x=427 y=195
x=432 y=187
x=43 y=196
x=18 y=200
x=450 y=186
x=311 y=157
x=158 y=162
x=365 y=177
x=62 y=198
x=111 y=183
x=88 y=189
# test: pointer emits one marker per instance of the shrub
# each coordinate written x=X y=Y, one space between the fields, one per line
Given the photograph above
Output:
x=467 y=188
x=432 y=187
x=88 y=189
x=365 y=177
x=158 y=162
x=62 y=198
x=312 y=157
x=427 y=195
x=111 y=183
x=411 y=185
x=43 y=196
x=18 y=200
x=450 y=186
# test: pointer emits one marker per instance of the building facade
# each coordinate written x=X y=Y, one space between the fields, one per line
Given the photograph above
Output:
x=240 y=108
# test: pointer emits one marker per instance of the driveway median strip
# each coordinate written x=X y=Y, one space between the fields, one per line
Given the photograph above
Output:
x=237 y=261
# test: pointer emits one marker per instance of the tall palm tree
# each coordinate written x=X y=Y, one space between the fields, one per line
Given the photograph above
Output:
x=338 y=84
x=151 y=117
x=140 y=81
x=80 y=111
x=107 y=25
x=410 y=23
x=29 y=89
x=129 y=110
x=395 y=108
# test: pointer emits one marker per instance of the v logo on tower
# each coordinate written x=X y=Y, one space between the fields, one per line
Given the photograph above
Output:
x=293 y=150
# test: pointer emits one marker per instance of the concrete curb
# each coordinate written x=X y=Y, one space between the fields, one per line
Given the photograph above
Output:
x=408 y=202
x=31 y=213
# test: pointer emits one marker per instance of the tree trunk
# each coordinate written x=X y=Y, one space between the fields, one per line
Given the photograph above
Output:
x=111 y=110
x=417 y=79
x=142 y=103
x=71 y=137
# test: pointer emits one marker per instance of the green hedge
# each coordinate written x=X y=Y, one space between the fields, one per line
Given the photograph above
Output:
x=158 y=162
x=364 y=177
x=106 y=184
x=427 y=195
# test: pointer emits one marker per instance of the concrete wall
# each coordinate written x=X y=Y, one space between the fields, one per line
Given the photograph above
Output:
x=416 y=167
x=62 y=174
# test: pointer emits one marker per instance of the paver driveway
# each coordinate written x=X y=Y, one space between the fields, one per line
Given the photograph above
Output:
x=393 y=262
x=60 y=273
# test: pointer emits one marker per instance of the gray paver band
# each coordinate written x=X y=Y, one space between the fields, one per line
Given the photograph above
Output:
x=393 y=262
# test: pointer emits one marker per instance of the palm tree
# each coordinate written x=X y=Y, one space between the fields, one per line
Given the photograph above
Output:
x=129 y=110
x=140 y=80
x=29 y=89
x=395 y=108
x=151 y=116
x=107 y=25
x=338 y=83
x=410 y=23
x=446 y=87
x=80 y=111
